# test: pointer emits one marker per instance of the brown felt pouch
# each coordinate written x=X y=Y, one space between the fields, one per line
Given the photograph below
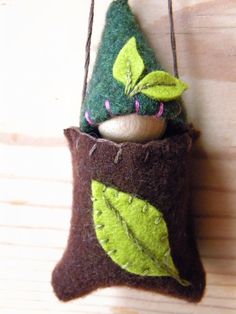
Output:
x=156 y=172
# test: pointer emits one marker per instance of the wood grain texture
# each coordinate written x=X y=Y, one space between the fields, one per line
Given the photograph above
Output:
x=41 y=72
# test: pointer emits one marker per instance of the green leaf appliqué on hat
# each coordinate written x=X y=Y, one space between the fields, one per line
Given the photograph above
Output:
x=124 y=58
x=129 y=65
x=158 y=85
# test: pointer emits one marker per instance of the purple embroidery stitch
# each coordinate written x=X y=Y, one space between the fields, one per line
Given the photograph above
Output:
x=108 y=105
x=137 y=105
x=161 y=110
x=88 y=119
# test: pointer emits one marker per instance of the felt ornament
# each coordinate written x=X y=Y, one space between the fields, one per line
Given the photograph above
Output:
x=131 y=224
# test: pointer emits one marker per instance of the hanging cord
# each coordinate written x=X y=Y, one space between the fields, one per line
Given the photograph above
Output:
x=89 y=37
x=172 y=38
x=88 y=49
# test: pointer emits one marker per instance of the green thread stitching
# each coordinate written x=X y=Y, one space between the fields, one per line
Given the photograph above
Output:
x=129 y=65
x=145 y=208
x=158 y=220
x=161 y=263
x=95 y=97
x=129 y=78
x=146 y=272
x=146 y=157
x=118 y=155
x=130 y=200
x=112 y=252
x=100 y=226
x=99 y=212
x=139 y=89
x=77 y=143
x=164 y=237
x=126 y=266
x=128 y=69
x=139 y=245
x=92 y=150
x=104 y=241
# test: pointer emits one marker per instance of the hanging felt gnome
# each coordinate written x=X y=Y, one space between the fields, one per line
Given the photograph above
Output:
x=130 y=221
x=127 y=81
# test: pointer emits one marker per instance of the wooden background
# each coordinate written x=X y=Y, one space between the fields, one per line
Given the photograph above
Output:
x=42 y=51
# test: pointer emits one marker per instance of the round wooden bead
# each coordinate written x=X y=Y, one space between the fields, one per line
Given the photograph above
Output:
x=133 y=128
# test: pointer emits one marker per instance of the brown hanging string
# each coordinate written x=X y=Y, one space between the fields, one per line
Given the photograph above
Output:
x=88 y=44
x=172 y=38
x=88 y=49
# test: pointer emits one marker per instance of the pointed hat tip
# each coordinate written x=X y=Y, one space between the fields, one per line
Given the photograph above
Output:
x=114 y=2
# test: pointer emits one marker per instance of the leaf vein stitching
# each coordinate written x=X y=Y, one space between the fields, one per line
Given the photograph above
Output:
x=138 y=244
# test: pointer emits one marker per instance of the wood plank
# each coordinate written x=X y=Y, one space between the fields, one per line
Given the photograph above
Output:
x=41 y=76
x=31 y=217
x=216 y=228
x=211 y=203
x=214 y=175
x=26 y=192
x=48 y=163
x=24 y=219
x=208 y=184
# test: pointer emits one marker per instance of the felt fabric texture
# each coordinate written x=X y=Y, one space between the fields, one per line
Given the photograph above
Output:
x=156 y=172
x=161 y=86
x=120 y=26
x=158 y=85
x=132 y=232
x=129 y=65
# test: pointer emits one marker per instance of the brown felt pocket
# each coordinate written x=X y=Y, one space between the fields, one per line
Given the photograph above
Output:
x=156 y=172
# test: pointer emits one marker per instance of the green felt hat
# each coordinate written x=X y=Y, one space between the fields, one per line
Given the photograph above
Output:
x=120 y=87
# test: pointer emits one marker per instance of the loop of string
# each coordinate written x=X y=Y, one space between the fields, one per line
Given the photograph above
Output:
x=172 y=38
x=89 y=37
x=88 y=49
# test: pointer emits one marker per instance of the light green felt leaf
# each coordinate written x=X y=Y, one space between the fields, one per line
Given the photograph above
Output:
x=132 y=232
x=129 y=65
x=160 y=85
